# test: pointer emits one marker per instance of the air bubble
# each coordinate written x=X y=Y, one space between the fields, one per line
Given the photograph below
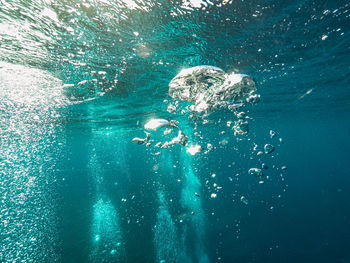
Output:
x=240 y=127
x=269 y=148
x=272 y=133
x=255 y=171
x=209 y=87
x=194 y=149
x=244 y=200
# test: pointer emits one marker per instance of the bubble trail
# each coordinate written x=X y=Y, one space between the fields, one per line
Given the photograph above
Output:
x=193 y=204
x=165 y=235
x=169 y=245
x=106 y=236
x=166 y=238
x=28 y=201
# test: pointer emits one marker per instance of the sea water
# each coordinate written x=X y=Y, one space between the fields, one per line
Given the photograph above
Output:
x=174 y=131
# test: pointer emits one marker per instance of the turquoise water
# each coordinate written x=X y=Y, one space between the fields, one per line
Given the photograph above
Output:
x=79 y=81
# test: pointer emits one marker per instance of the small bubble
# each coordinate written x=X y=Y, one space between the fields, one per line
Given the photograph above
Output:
x=223 y=142
x=255 y=171
x=167 y=131
x=272 y=133
x=244 y=200
x=253 y=99
x=210 y=148
x=269 y=148
x=240 y=127
x=139 y=140
x=241 y=115
x=194 y=149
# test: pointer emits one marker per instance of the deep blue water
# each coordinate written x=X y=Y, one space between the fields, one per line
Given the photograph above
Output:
x=79 y=80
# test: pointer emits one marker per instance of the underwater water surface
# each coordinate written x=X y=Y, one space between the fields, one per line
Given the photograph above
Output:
x=189 y=131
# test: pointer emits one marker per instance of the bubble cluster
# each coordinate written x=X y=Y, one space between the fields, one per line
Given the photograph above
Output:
x=205 y=99
x=31 y=147
x=197 y=92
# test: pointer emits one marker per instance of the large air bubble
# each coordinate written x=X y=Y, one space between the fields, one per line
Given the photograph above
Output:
x=208 y=87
